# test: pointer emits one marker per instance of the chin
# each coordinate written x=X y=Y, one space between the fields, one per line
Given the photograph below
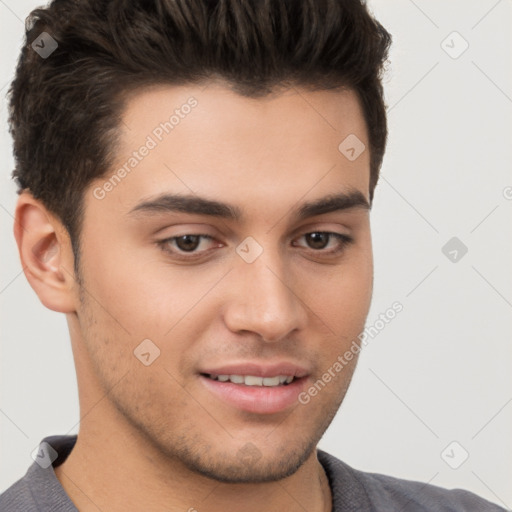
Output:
x=248 y=464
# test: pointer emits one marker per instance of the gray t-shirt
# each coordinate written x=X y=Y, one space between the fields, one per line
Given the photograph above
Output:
x=352 y=490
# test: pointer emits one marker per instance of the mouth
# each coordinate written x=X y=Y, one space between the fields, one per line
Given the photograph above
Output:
x=253 y=380
x=253 y=393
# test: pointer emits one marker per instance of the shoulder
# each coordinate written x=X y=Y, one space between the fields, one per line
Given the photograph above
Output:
x=18 y=497
x=386 y=493
x=419 y=496
x=39 y=490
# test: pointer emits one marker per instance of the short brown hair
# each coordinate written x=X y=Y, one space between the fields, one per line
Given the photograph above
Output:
x=65 y=109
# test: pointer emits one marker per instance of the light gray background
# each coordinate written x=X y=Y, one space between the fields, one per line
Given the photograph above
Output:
x=441 y=370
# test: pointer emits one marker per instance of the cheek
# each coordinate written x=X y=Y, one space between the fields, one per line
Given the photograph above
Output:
x=137 y=296
x=345 y=297
x=136 y=299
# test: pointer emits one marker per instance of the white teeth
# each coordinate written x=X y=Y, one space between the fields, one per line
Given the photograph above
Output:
x=271 y=381
x=250 y=380
x=253 y=380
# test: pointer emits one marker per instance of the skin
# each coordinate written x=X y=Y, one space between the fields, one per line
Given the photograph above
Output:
x=153 y=437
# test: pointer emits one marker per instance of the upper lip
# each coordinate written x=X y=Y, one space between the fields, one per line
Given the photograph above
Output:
x=259 y=370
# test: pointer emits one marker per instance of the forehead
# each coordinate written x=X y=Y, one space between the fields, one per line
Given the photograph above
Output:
x=213 y=142
x=214 y=111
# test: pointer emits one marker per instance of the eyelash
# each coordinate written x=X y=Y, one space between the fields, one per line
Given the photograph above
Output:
x=344 y=241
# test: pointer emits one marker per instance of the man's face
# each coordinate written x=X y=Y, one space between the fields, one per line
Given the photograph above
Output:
x=261 y=289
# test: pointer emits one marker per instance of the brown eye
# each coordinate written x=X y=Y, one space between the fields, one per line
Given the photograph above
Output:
x=317 y=240
x=326 y=242
x=188 y=242
x=187 y=246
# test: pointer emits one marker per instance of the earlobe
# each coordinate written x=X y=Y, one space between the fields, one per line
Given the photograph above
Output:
x=46 y=254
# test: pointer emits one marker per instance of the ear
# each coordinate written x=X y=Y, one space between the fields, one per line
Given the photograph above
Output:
x=46 y=254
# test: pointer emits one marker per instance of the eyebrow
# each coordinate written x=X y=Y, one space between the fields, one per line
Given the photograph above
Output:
x=190 y=204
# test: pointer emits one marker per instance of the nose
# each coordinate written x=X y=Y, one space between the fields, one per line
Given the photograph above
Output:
x=262 y=299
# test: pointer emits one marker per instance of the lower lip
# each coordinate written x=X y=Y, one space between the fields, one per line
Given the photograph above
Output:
x=258 y=399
